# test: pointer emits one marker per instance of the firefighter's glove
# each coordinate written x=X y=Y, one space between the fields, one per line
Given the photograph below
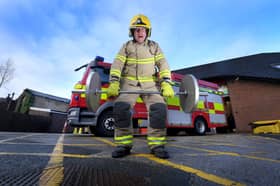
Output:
x=167 y=90
x=113 y=89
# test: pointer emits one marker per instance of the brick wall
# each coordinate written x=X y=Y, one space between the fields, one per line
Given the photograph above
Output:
x=254 y=100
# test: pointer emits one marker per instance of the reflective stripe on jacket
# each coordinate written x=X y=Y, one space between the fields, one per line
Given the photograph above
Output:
x=135 y=63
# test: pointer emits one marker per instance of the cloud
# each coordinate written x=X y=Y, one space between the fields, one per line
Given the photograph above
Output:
x=47 y=64
x=47 y=40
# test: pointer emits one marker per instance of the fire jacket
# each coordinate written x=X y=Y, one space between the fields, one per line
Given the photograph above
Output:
x=137 y=64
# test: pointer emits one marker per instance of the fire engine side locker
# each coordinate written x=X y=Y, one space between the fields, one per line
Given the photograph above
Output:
x=209 y=114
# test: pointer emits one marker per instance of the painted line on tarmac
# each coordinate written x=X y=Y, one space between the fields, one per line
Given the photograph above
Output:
x=108 y=142
x=62 y=155
x=227 y=153
x=204 y=175
x=224 y=144
x=224 y=153
x=49 y=144
x=263 y=137
x=19 y=137
x=199 y=173
x=53 y=174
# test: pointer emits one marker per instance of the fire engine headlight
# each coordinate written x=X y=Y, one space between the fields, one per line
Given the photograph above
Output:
x=73 y=113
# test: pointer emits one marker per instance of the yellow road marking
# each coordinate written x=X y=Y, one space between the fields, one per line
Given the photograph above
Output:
x=53 y=173
x=264 y=137
x=199 y=173
x=226 y=153
x=200 y=154
x=108 y=142
x=224 y=144
x=62 y=155
x=48 y=144
x=19 y=137
x=83 y=145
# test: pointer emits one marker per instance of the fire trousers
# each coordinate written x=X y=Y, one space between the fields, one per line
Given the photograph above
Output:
x=157 y=115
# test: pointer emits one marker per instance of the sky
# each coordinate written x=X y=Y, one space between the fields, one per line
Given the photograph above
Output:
x=47 y=40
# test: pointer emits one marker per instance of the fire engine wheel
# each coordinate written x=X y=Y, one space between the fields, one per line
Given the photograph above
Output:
x=200 y=126
x=106 y=124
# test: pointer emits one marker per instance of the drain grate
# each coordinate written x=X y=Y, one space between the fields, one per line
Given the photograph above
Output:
x=101 y=172
x=28 y=178
x=78 y=175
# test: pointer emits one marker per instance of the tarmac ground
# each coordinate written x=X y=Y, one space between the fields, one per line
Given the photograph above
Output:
x=68 y=159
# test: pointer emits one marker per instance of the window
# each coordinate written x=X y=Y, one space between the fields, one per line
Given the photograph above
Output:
x=275 y=65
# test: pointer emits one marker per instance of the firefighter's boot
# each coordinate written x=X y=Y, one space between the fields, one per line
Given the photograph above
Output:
x=120 y=151
x=160 y=152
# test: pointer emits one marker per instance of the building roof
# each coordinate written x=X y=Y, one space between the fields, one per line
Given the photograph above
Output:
x=258 y=66
x=44 y=95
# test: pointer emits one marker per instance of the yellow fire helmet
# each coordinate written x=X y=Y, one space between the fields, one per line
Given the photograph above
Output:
x=140 y=20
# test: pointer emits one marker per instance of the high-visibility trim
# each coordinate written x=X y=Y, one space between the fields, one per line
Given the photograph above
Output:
x=121 y=58
x=124 y=140
x=156 y=138
x=140 y=79
x=219 y=107
x=115 y=72
x=123 y=137
x=83 y=95
x=139 y=100
x=140 y=61
x=200 y=104
x=211 y=111
x=173 y=101
x=164 y=73
x=159 y=57
x=203 y=89
x=157 y=143
x=80 y=86
x=104 y=95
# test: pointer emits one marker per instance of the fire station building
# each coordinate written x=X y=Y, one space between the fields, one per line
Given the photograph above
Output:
x=251 y=85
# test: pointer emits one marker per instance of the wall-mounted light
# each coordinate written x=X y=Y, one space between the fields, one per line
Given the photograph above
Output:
x=275 y=65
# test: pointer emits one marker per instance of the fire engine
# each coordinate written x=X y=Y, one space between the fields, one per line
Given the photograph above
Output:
x=208 y=114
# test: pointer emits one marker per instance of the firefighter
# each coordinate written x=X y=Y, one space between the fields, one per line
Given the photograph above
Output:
x=134 y=69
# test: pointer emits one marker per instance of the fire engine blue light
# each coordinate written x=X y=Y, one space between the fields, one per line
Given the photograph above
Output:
x=76 y=98
x=99 y=58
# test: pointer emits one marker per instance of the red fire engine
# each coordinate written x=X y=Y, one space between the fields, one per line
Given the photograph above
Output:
x=209 y=112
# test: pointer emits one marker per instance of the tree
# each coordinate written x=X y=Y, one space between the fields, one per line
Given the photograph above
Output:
x=6 y=72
